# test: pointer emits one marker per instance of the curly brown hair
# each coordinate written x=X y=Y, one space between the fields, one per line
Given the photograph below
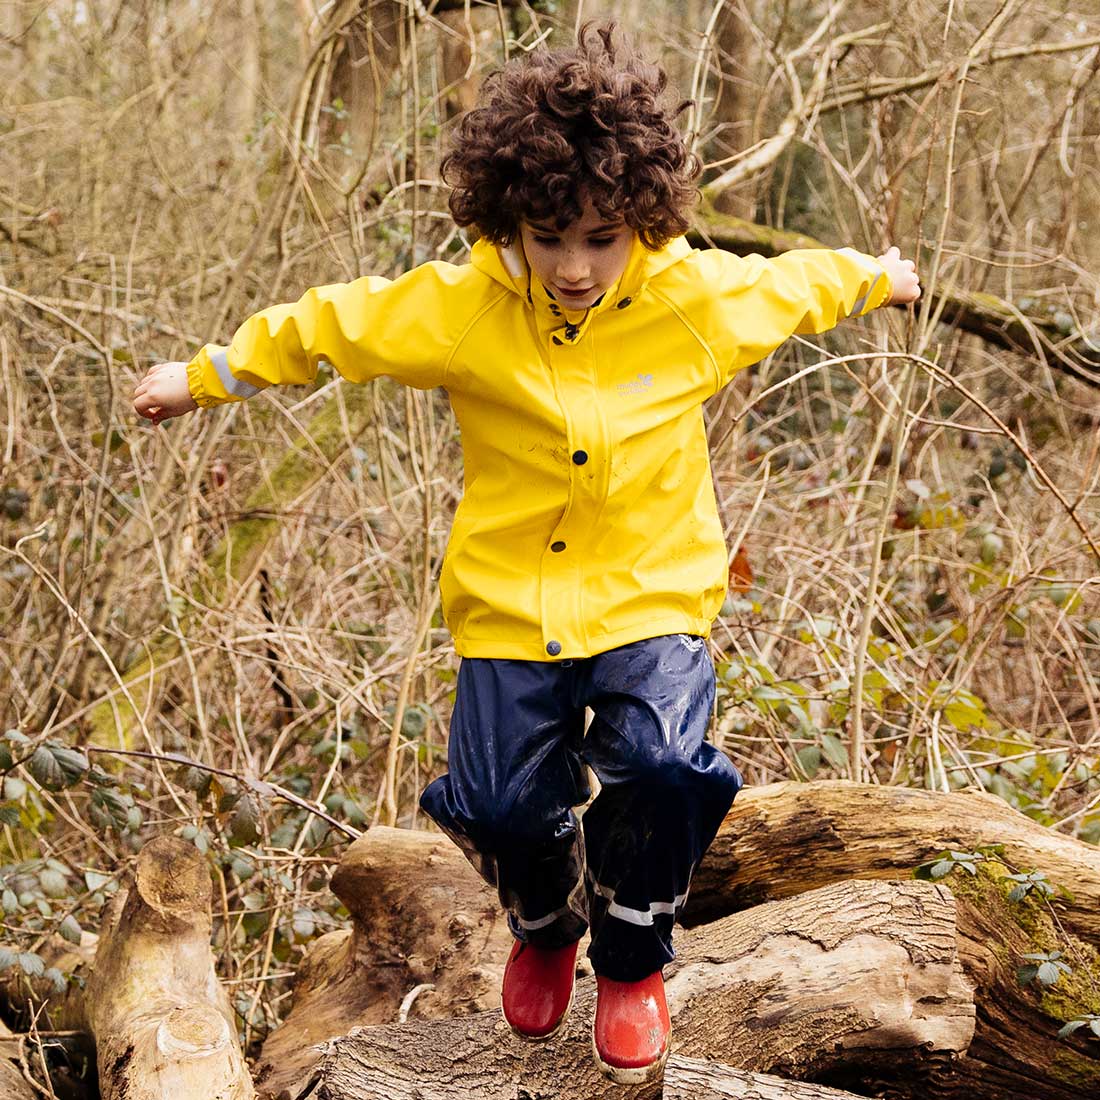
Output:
x=556 y=123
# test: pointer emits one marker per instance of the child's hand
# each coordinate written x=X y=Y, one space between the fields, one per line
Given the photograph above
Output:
x=164 y=393
x=903 y=277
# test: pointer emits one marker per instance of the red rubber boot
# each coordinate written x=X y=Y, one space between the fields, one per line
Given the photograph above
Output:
x=538 y=989
x=631 y=1032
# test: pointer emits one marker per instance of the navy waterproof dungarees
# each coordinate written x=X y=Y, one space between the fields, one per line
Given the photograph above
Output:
x=516 y=754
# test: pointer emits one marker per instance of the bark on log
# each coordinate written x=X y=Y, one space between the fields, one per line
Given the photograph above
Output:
x=421 y=919
x=1048 y=335
x=684 y=1079
x=849 y=981
x=785 y=838
x=162 y=1023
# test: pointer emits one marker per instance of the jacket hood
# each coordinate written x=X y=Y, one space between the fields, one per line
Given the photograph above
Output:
x=507 y=265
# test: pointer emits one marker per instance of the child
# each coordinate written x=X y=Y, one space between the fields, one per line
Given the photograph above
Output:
x=586 y=561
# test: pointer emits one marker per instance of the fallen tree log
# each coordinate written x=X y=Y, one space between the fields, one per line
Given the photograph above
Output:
x=782 y=841
x=684 y=1079
x=422 y=923
x=163 y=1025
x=859 y=980
x=786 y=838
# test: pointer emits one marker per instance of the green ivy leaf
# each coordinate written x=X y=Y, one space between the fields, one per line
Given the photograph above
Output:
x=9 y=814
x=70 y=929
x=303 y=925
x=834 y=750
x=195 y=779
x=32 y=965
x=46 y=770
x=14 y=788
x=244 y=826
x=809 y=760
x=54 y=883
x=1048 y=973
x=96 y=880
x=73 y=763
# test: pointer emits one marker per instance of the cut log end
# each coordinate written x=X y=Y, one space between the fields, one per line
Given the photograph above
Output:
x=172 y=878
x=193 y=1031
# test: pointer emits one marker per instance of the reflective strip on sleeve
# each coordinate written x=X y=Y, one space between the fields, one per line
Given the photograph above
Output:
x=236 y=386
x=642 y=917
x=867 y=265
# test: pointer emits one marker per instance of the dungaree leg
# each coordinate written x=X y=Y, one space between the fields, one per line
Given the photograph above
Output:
x=664 y=792
x=507 y=800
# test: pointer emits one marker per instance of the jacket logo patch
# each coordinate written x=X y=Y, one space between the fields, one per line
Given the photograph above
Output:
x=641 y=383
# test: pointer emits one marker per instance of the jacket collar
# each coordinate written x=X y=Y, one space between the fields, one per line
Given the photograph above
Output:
x=508 y=265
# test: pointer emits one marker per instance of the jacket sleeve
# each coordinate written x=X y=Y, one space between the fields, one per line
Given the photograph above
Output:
x=753 y=304
x=406 y=328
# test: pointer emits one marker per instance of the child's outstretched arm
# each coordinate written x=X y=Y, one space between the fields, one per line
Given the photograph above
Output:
x=745 y=307
x=406 y=328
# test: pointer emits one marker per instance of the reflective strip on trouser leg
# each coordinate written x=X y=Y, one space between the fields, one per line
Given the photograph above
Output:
x=506 y=802
x=644 y=918
x=664 y=792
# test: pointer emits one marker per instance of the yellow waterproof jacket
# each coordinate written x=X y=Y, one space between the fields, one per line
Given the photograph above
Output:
x=589 y=518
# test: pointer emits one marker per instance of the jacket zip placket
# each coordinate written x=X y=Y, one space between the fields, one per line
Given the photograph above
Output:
x=561 y=568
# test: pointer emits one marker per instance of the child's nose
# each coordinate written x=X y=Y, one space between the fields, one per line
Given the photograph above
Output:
x=573 y=268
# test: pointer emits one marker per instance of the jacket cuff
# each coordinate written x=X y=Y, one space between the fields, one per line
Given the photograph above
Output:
x=881 y=289
x=199 y=393
x=211 y=382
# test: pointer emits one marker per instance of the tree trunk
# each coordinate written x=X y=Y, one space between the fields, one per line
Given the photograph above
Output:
x=162 y=1023
x=469 y=35
x=242 y=76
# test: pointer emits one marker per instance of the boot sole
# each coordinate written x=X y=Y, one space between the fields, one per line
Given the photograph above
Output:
x=528 y=1038
x=630 y=1075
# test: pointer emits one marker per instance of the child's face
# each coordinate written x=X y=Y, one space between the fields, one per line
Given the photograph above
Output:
x=578 y=263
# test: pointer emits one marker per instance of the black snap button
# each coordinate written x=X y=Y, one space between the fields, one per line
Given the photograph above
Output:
x=624 y=303
x=555 y=311
x=557 y=547
x=557 y=339
x=580 y=458
x=553 y=648
x=570 y=332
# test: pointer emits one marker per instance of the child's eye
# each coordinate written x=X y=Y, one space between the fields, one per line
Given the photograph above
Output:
x=602 y=242
x=546 y=240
